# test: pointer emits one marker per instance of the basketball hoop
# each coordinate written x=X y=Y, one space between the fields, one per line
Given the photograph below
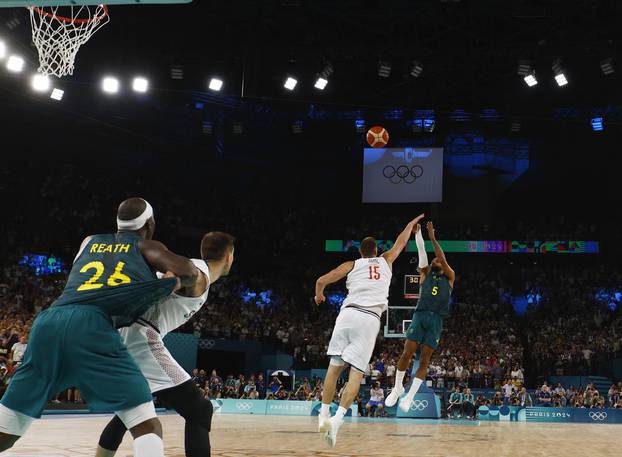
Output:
x=58 y=38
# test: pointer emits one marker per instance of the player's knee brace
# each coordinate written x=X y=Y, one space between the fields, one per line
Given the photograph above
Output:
x=112 y=435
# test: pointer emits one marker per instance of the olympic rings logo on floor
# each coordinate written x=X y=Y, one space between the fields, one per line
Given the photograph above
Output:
x=598 y=416
x=402 y=173
x=244 y=406
x=419 y=405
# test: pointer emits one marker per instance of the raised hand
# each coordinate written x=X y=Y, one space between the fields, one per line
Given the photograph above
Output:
x=430 y=227
x=319 y=299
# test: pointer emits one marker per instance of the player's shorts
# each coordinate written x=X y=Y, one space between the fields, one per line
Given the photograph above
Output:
x=375 y=404
x=76 y=346
x=354 y=336
x=425 y=328
x=160 y=369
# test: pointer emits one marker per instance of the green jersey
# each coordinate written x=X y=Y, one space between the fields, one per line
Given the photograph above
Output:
x=435 y=294
x=111 y=274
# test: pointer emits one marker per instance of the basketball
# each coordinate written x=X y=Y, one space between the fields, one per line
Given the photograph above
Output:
x=377 y=137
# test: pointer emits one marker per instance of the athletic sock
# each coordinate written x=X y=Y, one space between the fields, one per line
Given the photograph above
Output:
x=149 y=445
x=325 y=410
x=399 y=377
x=415 y=387
x=341 y=412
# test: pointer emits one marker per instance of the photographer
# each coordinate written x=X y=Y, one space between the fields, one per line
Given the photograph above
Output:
x=376 y=400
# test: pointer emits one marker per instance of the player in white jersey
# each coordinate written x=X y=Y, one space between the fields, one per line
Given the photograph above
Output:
x=358 y=323
x=166 y=378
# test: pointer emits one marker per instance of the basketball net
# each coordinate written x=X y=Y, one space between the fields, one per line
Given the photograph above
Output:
x=58 y=38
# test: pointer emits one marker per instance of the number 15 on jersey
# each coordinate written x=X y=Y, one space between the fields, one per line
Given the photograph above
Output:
x=374 y=272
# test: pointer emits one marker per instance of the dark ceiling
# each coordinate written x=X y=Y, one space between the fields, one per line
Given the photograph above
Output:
x=469 y=49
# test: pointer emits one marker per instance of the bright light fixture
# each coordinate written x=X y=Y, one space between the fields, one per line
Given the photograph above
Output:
x=140 y=85
x=15 y=64
x=110 y=85
x=290 y=83
x=215 y=84
x=41 y=83
x=321 y=83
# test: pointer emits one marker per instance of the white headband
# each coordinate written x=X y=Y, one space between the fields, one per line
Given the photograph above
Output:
x=137 y=223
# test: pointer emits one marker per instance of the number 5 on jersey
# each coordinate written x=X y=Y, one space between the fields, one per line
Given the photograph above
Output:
x=115 y=279
x=373 y=272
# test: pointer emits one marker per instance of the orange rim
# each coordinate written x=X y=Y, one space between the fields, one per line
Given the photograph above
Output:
x=67 y=19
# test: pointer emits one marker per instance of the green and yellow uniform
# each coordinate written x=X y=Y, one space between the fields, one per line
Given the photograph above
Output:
x=74 y=343
x=433 y=306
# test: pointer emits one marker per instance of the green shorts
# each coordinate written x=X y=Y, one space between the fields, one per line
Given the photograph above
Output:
x=426 y=328
x=76 y=346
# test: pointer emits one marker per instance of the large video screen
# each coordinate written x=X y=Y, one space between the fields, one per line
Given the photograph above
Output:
x=402 y=175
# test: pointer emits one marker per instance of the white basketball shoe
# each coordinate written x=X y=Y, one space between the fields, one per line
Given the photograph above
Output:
x=332 y=428
x=394 y=396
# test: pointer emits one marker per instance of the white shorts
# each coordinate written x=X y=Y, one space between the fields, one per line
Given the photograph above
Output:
x=157 y=364
x=354 y=337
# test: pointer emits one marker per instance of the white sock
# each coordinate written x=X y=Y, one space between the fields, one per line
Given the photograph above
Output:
x=415 y=387
x=399 y=377
x=341 y=412
x=325 y=411
x=149 y=445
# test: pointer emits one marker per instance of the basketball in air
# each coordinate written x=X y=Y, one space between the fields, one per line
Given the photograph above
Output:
x=377 y=137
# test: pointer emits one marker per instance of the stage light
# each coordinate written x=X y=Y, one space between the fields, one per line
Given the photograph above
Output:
x=561 y=79
x=606 y=66
x=384 y=69
x=57 y=94
x=110 y=85
x=597 y=124
x=321 y=83
x=177 y=72
x=290 y=83
x=531 y=80
x=416 y=69
x=15 y=64
x=2 y=50
x=558 y=70
x=41 y=83
x=140 y=85
x=215 y=84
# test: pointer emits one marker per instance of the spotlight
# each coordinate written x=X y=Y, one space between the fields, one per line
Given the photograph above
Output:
x=57 y=94
x=208 y=127
x=41 y=83
x=558 y=70
x=321 y=83
x=2 y=50
x=215 y=84
x=384 y=69
x=290 y=83
x=561 y=79
x=524 y=68
x=597 y=124
x=531 y=80
x=297 y=127
x=416 y=69
x=606 y=66
x=15 y=64
x=110 y=85
x=140 y=85
x=177 y=72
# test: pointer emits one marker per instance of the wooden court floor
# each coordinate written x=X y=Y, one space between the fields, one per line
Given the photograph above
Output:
x=259 y=436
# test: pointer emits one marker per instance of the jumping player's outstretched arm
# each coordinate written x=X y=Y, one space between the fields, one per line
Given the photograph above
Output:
x=440 y=255
x=332 y=276
x=402 y=241
x=163 y=260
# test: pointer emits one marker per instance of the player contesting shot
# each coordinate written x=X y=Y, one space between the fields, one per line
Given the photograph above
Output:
x=167 y=380
x=74 y=343
x=437 y=282
x=356 y=328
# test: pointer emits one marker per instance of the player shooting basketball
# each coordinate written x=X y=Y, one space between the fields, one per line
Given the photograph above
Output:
x=437 y=282
x=354 y=336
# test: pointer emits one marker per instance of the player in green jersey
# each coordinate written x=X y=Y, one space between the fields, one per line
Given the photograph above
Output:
x=74 y=343
x=437 y=282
